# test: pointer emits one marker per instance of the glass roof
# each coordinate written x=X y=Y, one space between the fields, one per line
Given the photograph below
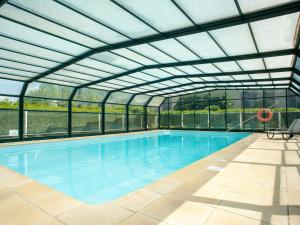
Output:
x=147 y=48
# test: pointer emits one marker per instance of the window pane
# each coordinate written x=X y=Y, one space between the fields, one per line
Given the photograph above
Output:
x=156 y=101
x=202 y=115
x=115 y=122
x=276 y=33
x=217 y=115
x=119 y=97
x=86 y=122
x=88 y=94
x=9 y=117
x=254 y=5
x=235 y=40
x=163 y=15
x=136 y=122
x=40 y=122
x=293 y=108
x=48 y=90
x=164 y=116
x=115 y=108
x=278 y=107
x=203 y=45
x=251 y=108
x=45 y=104
x=235 y=114
x=175 y=118
x=202 y=11
x=10 y=87
x=86 y=107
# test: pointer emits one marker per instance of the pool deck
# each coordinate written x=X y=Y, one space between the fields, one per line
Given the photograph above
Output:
x=253 y=181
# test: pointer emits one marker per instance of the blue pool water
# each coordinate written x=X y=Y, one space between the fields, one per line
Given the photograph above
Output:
x=102 y=169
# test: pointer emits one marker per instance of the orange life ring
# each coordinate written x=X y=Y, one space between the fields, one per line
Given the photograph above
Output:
x=269 y=115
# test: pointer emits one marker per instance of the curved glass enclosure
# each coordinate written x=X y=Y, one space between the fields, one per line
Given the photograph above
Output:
x=120 y=66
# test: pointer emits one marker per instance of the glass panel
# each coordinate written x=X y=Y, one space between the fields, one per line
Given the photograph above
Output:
x=251 y=108
x=235 y=40
x=217 y=115
x=100 y=65
x=89 y=107
x=112 y=15
x=208 y=68
x=17 y=31
x=281 y=75
x=156 y=101
x=202 y=11
x=115 y=122
x=26 y=59
x=235 y=114
x=278 y=107
x=201 y=115
x=86 y=122
x=48 y=90
x=75 y=20
x=189 y=69
x=140 y=100
x=187 y=111
x=234 y=94
x=134 y=56
x=33 y=50
x=9 y=117
x=253 y=93
x=136 y=122
x=41 y=122
x=275 y=33
x=10 y=87
x=88 y=94
x=254 y=5
x=115 y=108
x=251 y=64
x=152 y=53
x=279 y=61
x=164 y=115
x=175 y=49
x=45 y=104
x=157 y=13
x=175 y=118
x=274 y=93
x=260 y=76
x=228 y=66
x=119 y=97
x=17 y=72
x=114 y=59
x=27 y=18
x=217 y=95
x=293 y=109
x=152 y=117
x=21 y=66
x=202 y=44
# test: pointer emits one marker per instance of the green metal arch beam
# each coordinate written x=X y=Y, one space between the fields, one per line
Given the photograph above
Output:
x=221 y=86
x=208 y=75
x=237 y=20
x=215 y=82
x=194 y=62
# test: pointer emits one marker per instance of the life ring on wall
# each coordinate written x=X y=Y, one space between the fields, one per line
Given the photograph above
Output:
x=267 y=118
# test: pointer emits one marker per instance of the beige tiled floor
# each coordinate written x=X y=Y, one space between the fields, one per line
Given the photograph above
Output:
x=255 y=181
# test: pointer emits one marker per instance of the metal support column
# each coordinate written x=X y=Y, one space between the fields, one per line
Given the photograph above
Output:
x=103 y=112
x=70 y=111
x=127 y=112
x=146 y=114
x=159 y=112
x=21 y=111
x=226 y=126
